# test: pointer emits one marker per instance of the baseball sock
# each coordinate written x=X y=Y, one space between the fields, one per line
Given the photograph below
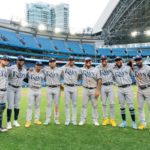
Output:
x=2 y=108
x=9 y=111
x=112 y=111
x=16 y=113
x=132 y=114
x=1 y=117
x=123 y=114
x=105 y=111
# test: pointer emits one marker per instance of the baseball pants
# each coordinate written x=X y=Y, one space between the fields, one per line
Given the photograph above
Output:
x=34 y=98
x=89 y=94
x=107 y=94
x=71 y=94
x=53 y=95
x=143 y=96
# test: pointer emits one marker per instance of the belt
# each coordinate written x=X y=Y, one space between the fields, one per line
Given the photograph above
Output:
x=72 y=85
x=34 y=87
x=53 y=86
x=4 y=90
x=107 y=83
x=90 y=87
x=124 y=86
x=14 y=86
x=144 y=87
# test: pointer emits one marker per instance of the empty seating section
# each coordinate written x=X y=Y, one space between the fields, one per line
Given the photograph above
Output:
x=104 y=51
x=59 y=45
x=132 y=52
x=89 y=49
x=146 y=52
x=119 y=52
x=29 y=40
x=74 y=47
x=45 y=43
x=9 y=37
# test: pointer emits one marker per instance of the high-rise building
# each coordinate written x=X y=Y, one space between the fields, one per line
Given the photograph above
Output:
x=49 y=15
x=41 y=13
x=62 y=17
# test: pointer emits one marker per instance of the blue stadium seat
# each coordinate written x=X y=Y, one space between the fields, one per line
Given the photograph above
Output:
x=145 y=52
x=104 y=51
x=89 y=49
x=45 y=43
x=119 y=52
x=74 y=47
x=132 y=52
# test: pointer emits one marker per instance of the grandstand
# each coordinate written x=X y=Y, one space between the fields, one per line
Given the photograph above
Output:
x=114 y=28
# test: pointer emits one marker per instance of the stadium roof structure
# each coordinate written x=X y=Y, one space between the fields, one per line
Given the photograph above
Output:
x=124 y=22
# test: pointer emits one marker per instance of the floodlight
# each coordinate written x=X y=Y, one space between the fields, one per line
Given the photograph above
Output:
x=41 y=27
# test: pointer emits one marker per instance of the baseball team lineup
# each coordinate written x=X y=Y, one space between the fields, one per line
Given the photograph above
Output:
x=97 y=82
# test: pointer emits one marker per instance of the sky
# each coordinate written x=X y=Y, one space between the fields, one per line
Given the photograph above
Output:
x=83 y=13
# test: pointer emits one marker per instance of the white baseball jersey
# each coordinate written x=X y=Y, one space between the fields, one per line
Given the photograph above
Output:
x=90 y=77
x=106 y=73
x=3 y=78
x=52 y=76
x=142 y=75
x=35 y=79
x=71 y=74
x=122 y=75
x=16 y=75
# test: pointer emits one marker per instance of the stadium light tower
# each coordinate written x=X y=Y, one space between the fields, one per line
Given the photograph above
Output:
x=24 y=24
x=57 y=30
x=41 y=27
x=134 y=33
x=147 y=32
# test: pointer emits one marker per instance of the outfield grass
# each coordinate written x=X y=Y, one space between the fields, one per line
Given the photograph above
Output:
x=87 y=137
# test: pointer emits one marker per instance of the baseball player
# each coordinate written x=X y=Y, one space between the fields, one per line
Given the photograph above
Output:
x=90 y=77
x=71 y=75
x=122 y=75
x=53 y=81
x=35 y=77
x=107 y=90
x=3 y=88
x=142 y=74
x=16 y=75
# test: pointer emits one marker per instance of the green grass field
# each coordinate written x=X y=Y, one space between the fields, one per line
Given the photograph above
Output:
x=61 y=137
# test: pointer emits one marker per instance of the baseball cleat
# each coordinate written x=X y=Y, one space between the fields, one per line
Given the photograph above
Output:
x=134 y=126
x=57 y=122
x=37 y=122
x=113 y=123
x=141 y=126
x=81 y=123
x=105 y=122
x=96 y=123
x=16 y=124
x=67 y=123
x=74 y=123
x=3 y=130
x=47 y=122
x=28 y=124
x=9 y=126
x=123 y=124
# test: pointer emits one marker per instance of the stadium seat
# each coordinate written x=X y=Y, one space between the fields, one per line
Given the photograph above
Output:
x=89 y=49
x=118 y=52
x=145 y=52
x=105 y=51
x=132 y=52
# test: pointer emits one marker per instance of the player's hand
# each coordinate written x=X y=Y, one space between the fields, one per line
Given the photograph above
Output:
x=61 y=87
x=97 y=94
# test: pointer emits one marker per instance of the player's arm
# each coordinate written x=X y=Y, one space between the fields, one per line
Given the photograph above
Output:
x=26 y=79
x=98 y=88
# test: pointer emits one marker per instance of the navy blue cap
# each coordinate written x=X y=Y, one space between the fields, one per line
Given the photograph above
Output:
x=138 y=58
x=118 y=58
x=71 y=58
x=5 y=57
x=21 y=58
x=103 y=57
x=39 y=63
x=52 y=60
x=88 y=59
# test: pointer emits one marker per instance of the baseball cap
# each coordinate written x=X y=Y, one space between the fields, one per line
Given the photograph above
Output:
x=5 y=57
x=103 y=57
x=52 y=60
x=39 y=63
x=71 y=58
x=21 y=58
x=118 y=58
x=88 y=58
x=138 y=58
